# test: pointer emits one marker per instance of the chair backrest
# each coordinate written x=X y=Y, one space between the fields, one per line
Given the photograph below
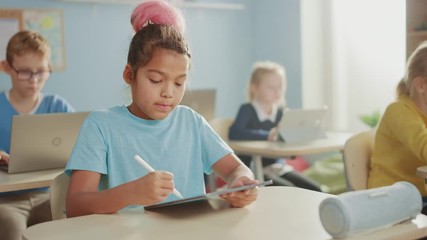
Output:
x=58 y=194
x=357 y=157
x=222 y=126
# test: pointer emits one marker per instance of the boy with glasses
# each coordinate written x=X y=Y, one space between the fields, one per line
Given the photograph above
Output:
x=28 y=64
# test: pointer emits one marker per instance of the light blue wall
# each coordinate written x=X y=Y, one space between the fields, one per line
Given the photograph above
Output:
x=278 y=37
x=224 y=44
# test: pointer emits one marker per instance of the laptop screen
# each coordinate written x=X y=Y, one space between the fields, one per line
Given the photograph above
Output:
x=43 y=141
x=202 y=101
x=301 y=125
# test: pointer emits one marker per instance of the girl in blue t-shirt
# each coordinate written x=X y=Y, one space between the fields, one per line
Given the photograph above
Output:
x=104 y=175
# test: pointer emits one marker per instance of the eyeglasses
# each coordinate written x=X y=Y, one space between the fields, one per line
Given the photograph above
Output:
x=27 y=74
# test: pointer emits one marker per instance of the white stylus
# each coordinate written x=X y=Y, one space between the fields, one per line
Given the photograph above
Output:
x=150 y=169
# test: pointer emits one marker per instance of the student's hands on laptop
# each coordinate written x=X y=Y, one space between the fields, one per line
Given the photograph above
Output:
x=273 y=134
x=4 y=158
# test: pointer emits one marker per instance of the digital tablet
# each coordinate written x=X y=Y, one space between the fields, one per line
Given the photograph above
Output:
x=207 y=196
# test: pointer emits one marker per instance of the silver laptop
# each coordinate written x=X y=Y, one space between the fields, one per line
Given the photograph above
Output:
x=202 y=101
x=302 y=125
x=43 y=141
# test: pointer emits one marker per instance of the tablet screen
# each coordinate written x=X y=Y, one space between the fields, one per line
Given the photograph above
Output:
x=208 y=195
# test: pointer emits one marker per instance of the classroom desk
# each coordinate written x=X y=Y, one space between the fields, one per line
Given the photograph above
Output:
x=27 y=180
x=278 y=213
x=334 y=142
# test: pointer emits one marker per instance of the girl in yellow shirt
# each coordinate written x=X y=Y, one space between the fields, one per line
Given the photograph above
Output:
x=401 y=137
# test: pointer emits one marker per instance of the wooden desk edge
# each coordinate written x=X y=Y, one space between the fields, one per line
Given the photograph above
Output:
x=421 y=222
x=29 y=180
x=25 y=186
x=272 y=153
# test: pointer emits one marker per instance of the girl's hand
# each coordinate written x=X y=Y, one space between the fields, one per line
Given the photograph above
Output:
x=4 y=158
x=242 y=198
x=273 y=134
x=152 y=188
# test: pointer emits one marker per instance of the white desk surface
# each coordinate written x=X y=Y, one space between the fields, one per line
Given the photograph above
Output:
x=279 y=213
x=28 y=180
x=334 y=141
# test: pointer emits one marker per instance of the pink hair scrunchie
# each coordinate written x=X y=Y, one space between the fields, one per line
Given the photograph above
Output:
x=157 y=12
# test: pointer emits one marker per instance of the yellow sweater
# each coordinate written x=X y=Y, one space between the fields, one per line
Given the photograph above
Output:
x=400 y=146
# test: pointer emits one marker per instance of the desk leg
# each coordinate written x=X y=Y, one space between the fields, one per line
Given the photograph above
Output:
x=256 y=165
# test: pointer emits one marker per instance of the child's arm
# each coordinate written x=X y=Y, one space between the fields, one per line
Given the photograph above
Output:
x=4 y=158
x=83 y=197
x=236 y=174
x=273 y=134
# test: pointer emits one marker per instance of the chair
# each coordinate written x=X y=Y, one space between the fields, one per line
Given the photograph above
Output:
x=357 y=156
x=222 y=126
x=58 y=194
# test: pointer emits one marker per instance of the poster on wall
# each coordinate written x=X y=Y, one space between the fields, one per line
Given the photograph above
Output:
x=47 y=22
x=10 y=23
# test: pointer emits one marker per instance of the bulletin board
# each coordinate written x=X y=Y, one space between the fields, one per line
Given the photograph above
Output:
x=47 y=22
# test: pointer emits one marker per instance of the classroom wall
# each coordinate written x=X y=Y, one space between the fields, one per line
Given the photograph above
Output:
x=277 y=36
x=352 y=58
x=224 y=44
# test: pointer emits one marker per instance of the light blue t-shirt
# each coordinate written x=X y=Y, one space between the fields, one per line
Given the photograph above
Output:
x=51 y=103
x=183 y=143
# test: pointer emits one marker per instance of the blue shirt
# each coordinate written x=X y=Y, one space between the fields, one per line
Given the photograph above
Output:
x=247 y=126
x=183 y=143
x=50 y=103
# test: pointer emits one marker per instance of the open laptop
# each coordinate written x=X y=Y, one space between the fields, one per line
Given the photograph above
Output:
x=201 y=101
x=42 y=141
x=302 y=125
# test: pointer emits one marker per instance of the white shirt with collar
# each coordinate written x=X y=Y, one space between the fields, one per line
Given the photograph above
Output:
x=262 y=115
